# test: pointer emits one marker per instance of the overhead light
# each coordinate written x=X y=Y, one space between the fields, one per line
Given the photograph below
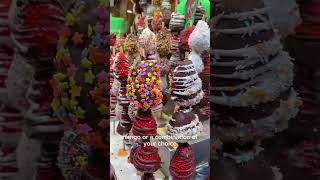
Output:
x=129 y=11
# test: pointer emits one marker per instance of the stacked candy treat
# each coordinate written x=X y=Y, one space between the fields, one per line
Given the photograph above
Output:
x=81 y=91
x=199 y=42
x=186 y=92
x=248 y=105
x=176 y=25
x=10 y=123
x=131 y=47
x=35 y=26
x=144 y=91
x=121 y=70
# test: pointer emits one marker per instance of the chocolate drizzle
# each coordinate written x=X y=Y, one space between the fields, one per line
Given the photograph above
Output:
x=247 y=57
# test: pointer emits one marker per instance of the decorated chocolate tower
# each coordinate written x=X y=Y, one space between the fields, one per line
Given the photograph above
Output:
x=186 y=92
x=186 y=85
x=81 y=81
x=35 y=26
x=144 y=90
x=163 y=50
x=244 y=99
x=11 y=118
x=121 y=70
x=131 y=46
x=248 y=104
x=176 y=25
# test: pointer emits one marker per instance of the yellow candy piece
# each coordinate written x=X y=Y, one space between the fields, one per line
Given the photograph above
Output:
x=70 y=20
x=89 y=77
x=66 y=103
x=73 y=105
x=90 y=30
x=63 y=86
x=80 y=112
x=55 y=104
x=83 y=162
x=72 y=82
x=59 y=76
x=103 y=109
x=85 y=63
x=104 y=2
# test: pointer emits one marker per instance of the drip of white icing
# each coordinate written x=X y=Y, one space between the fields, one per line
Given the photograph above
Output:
x=281 y=60
x=266 y=127
x=265 y=24
x=190 y=85
x=244 y=15
x=250 y=54
x=265 y=87
x=197 y=61
x=192 y=129
x=257 y=27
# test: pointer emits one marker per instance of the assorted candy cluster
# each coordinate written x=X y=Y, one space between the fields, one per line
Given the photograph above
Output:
x=82 y=81
x=144 y=85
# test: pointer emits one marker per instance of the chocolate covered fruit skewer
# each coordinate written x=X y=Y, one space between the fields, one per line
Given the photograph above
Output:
x=144 y=90
x=11 y=118
x=248 y=106
x=186 y=92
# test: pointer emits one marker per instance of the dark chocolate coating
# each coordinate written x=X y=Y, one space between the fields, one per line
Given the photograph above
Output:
x=182 y=118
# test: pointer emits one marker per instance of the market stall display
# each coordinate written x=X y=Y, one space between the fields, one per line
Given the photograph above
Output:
x=165 y=90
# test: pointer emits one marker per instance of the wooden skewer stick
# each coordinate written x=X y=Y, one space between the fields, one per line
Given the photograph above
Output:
x=176 y=6
x=131 y=29
x=191 y=23
x=163 y=25
x=124 y=144
x=114 y=126
x=144 y=53
x=203 y=18
x=186 y=56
